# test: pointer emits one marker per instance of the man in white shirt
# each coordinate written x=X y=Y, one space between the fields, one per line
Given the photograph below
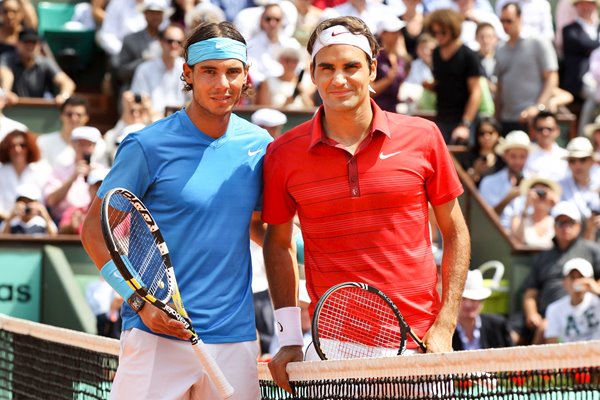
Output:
x=159 y=79
x=56 y=147
x=546 y=157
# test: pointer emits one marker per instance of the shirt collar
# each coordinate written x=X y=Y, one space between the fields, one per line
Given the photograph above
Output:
x=380 y=124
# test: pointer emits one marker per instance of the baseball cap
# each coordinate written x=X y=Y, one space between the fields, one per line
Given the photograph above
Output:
x=155 y=5
x=28 y=191
x=580 y=264
x=513 y=140
x=474 y=288
x=86 y=133
x=567 y=209
x=268 y=117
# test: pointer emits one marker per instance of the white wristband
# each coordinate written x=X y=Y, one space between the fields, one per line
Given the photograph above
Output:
x=288 y=327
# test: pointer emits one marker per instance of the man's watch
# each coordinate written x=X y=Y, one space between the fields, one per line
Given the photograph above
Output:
x=466 y=123
x=136 y=302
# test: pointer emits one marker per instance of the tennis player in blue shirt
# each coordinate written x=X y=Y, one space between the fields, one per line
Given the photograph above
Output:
x=199 y=172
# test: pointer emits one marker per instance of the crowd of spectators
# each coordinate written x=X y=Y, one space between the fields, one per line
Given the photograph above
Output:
x=496 y=76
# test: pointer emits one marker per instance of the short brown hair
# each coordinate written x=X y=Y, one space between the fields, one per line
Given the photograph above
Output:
x=33 y=151
x=355 y=25
x=447 y=19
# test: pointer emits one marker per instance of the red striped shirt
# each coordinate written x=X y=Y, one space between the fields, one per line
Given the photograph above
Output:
x=364 y=218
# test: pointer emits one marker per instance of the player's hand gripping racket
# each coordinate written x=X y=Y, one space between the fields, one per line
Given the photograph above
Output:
x=356 y=320
x=141 y=256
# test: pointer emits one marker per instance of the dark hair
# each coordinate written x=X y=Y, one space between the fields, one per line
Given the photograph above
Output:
x=33 y=151
x=355 y=25
x=161 y=33
x=543 y=115
x=209 y=30
x=447 y=19
x=75 y=101
x=513 y=4
x=493 y=122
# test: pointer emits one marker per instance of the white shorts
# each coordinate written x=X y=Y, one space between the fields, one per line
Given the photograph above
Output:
x=153 y=367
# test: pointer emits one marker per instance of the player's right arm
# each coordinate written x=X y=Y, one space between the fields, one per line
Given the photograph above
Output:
x=93 y=242
x=282 y=274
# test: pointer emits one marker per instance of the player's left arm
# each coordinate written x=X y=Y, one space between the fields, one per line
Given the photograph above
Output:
x=455 y=264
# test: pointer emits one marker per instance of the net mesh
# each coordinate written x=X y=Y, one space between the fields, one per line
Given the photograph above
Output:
x=44 y=362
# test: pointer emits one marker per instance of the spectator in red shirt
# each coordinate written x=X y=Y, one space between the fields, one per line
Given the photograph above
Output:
x=360 y=180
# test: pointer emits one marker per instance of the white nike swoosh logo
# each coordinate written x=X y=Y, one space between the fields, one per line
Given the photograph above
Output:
x=253 y=153
x=384 y=156
x=219 y=45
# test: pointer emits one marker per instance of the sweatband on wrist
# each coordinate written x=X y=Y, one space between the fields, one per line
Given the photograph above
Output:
x=288 y=327
x=114 y=278
x=218 y=48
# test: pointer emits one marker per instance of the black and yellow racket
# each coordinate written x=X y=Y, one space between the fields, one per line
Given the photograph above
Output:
x=142 y=257
x=356 y=320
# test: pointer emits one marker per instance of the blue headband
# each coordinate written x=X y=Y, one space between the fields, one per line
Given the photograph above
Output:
x=219 y=48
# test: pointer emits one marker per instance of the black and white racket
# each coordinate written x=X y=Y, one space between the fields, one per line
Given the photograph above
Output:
x=142 y=257
x=356 y=320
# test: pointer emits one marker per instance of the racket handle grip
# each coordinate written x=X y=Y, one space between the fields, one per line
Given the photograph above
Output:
x=212 y=369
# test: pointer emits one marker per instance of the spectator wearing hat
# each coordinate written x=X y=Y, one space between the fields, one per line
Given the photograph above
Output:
x=532 y=223
x=67 y=186
x=576 y=316
x=29 y=215
x=56 y=147
x=270 y=119
x=580 y=187
x=546 y=157
x=502 y=187
x=292 y=89
x=527 y=69
x=474 y=330
x=124 y=17
x=19 y=165
x=141 y=45
x=34 y=75
x=393 y=63
x=544 y=284
x=580 y=38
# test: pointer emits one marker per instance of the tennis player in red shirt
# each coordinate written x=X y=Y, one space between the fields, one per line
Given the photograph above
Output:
x=360 y=180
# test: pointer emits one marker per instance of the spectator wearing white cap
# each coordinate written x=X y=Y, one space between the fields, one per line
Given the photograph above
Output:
x=124 y=17
x=475 y=330
x=544 y=284
x=56 y=147
x=500 y=188
x=581 y=186
x=576 y=316
x=270 y=119
x=29 y=215
x=67 y=186
x=393 y=63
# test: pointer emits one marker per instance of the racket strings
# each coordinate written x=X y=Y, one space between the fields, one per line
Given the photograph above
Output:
x=354 y=323
x=138 y=247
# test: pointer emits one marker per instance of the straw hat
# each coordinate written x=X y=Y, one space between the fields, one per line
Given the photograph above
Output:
x=528 y=183
x=514 y=140
x=579 y=147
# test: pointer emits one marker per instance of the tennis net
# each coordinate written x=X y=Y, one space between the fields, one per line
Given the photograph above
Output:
x=44 y=362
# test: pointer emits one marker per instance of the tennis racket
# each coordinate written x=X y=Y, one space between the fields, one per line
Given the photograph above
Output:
x=141 y=256
x=356 y=320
